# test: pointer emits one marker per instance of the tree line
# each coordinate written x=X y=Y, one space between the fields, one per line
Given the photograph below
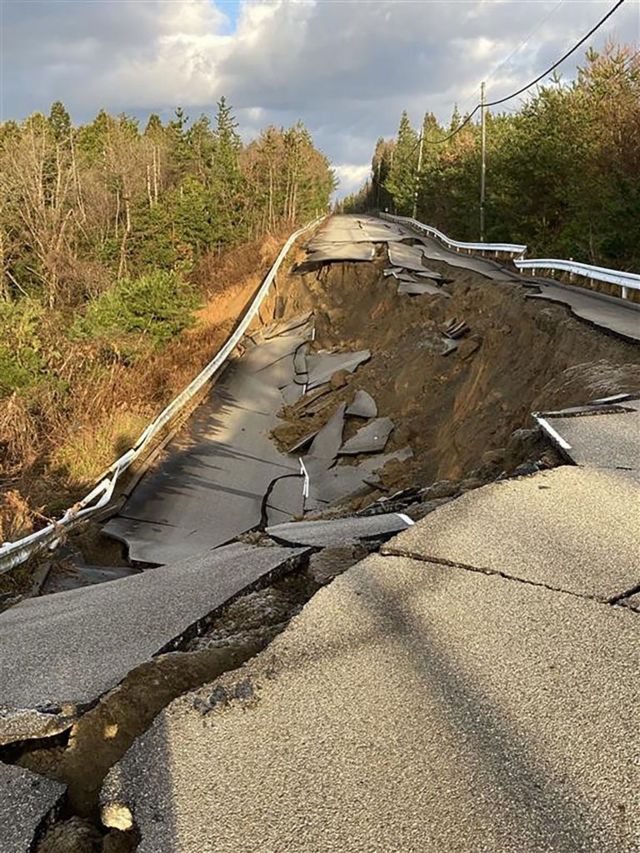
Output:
x=84 y=206
x=563 y=170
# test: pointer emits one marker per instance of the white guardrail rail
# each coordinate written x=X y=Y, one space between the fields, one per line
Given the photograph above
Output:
x=507 y=248
x=12 y=554
x=624 y=280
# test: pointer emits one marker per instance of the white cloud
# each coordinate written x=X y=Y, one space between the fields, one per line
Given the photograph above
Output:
x=351 y=176
x=347 y=69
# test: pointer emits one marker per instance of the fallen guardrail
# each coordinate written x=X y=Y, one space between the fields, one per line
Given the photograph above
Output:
x=12 y=554
x=494 y=248
x=624 y=280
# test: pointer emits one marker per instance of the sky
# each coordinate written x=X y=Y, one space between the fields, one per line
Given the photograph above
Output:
x=346 y=68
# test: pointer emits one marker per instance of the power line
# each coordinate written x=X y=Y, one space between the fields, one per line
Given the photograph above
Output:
x=526 y=40
x=528 y=85
x=562 y=58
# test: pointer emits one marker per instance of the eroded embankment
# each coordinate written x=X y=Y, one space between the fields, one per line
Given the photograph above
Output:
x=457 y=412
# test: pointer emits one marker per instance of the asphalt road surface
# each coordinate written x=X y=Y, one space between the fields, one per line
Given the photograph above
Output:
x=412 y=706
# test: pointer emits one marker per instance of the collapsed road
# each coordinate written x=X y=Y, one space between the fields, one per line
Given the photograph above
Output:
x=472 y=684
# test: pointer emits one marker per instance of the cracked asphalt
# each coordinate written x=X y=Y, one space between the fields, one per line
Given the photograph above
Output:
x=414 y=706
x=570 y=528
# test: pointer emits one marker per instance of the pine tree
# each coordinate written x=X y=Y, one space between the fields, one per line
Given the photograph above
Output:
x=201 y=141
x=378 y=196
x=154 y=126
x=179 y=152
x=401 y=181
x=431 y=152
x=60 y=122
x=93 y=138
x=454 y=124
x=226 y=178
x=228 y=141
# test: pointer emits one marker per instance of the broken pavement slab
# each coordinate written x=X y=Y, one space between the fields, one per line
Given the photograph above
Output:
x=606 y=437
x=409 y=706
x=349 y=229
x=449 y=346
x=572 y=529
x=328 y=439
x=331 y=485
x=370 y=438
x=322 y=366
x=362 y=406
x=330 y=252
x=618 y=315
x=209 y=486
x=406 y=257
x=27 y=802
x=435 y=251
x=340 y=531
x=60 y=653
x=421 y=288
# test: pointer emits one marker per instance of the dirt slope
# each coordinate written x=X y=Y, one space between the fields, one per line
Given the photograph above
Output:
x=455 y=411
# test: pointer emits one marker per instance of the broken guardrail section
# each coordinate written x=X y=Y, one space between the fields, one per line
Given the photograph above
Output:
x=12 y=554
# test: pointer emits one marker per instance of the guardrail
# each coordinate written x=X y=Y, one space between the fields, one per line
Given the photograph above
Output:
x=624 y=280
x=12 y=554
x=496 y=248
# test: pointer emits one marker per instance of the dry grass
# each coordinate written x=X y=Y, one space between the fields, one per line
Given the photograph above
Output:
x=54 y=445
x=90 y=450
x=18 y=435
x=16 y=516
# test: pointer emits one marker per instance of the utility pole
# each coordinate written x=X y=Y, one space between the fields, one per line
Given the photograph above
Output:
x=483 y=167
x=418 y=170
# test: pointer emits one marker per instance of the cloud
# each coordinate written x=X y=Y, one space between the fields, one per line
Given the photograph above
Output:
x=347 y=69
x=351 y=176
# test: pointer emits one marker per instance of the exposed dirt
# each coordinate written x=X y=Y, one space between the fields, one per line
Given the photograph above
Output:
x=457 y=412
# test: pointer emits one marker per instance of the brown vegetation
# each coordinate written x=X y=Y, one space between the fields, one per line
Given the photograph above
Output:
x=52 y=452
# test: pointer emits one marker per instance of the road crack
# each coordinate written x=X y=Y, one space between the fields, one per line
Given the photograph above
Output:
x=391 y=551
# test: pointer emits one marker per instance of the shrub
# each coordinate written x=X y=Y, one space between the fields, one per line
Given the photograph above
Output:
x=21 y=362
x=157 y=306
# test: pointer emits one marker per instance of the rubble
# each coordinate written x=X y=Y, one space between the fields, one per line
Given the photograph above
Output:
x=362 y=406
x=371 y=438
x=339 y=532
